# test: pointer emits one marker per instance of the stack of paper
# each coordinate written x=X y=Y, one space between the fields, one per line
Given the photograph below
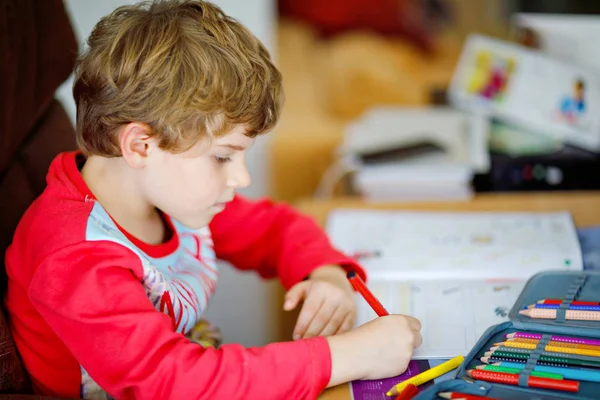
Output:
x=416 y=153
x=400 y=181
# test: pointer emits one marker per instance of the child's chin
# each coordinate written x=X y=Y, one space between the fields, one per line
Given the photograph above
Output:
x=197 y=222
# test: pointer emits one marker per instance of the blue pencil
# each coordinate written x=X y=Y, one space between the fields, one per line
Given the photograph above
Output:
x=578 y=374
x=571 y=307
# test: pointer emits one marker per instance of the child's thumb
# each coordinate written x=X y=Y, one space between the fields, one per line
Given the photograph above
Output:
x=294 y=296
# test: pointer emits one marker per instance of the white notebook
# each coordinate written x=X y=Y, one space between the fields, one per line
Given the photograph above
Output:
x=459 y=273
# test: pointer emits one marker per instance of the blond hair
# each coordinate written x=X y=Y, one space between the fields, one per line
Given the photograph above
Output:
x=182 y=67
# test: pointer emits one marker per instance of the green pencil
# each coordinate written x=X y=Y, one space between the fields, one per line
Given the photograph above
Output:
x=549 y=359
x=545 y=353
x=496 y=368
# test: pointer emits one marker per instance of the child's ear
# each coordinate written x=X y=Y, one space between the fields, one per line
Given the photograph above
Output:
x=136 y=143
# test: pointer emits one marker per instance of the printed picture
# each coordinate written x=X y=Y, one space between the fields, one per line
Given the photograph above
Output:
x=491 y=75
x=572 y=106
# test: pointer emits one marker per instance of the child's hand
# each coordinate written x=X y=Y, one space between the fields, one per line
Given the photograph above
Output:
x=378 y=349
x=329 y=306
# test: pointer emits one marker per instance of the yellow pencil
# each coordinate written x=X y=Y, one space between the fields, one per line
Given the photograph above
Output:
x=428 y=375
x=556 y=349
x=556 y=343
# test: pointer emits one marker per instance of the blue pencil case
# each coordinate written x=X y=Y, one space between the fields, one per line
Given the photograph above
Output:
x=564 y=285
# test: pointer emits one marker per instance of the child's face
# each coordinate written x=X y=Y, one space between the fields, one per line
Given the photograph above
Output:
x=194 y=186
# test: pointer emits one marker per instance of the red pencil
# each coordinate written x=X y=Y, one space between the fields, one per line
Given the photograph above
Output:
x=359 y=285
x=408 y=393
x=463 y=396
x=574 y=302
x=533 y=381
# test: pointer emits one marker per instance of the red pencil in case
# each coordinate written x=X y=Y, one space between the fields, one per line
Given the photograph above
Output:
x=574 y=302
x=532 y=381
x=408 y=393
x=359 y=285
x=462 y=396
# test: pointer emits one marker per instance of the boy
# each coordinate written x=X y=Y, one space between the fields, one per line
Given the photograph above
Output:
x=111 y=268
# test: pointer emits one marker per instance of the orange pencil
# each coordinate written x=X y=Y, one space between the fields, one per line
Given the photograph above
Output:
x=570 y=314
x=557 y=344
x=547 y=347
x=359 y=285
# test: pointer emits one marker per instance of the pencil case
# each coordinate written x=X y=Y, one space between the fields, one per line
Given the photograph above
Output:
x=567 y=286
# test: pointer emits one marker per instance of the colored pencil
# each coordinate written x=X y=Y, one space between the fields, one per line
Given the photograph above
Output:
x=360 y=286
x=428 y=375
x=462 y=396
x=525 y=353
x=557 y=306
x=556 y=343
x=532 y=381
x=578 y=374
x=548 y=347
x=543 y=360
x=495 y=359
x=496 y=368
x=565 y=339
x=541 y=313
x=574 y=302
x=407 y=393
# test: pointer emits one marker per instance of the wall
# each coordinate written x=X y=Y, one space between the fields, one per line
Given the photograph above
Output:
x=242 y=305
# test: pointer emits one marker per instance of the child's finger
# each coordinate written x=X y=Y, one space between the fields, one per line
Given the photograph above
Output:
x=414 y=323
x=347 y=324
x=320 y=319
x=418 y=338
x=336 y=320
x=295 y=295
x=310 y=309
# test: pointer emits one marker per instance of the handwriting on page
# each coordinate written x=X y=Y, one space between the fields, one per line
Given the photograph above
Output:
x=454 y=314
x=474 y=245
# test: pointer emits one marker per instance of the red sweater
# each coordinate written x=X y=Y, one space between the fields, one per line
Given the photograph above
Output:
x=93 y=309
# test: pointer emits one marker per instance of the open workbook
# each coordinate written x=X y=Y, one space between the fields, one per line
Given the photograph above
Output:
x=459 y=273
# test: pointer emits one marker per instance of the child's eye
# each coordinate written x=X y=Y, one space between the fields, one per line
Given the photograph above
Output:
x=222 y=160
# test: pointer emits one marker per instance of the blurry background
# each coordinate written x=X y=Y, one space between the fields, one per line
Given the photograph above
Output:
x=342 y=61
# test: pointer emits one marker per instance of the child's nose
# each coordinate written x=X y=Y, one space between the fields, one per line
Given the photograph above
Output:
x=239 y=177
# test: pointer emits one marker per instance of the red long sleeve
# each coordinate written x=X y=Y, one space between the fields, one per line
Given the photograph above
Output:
x=273 y=239
x=90 y=295
x=85 y=301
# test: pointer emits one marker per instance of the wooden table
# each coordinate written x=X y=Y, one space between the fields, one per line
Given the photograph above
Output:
x=584 y=207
